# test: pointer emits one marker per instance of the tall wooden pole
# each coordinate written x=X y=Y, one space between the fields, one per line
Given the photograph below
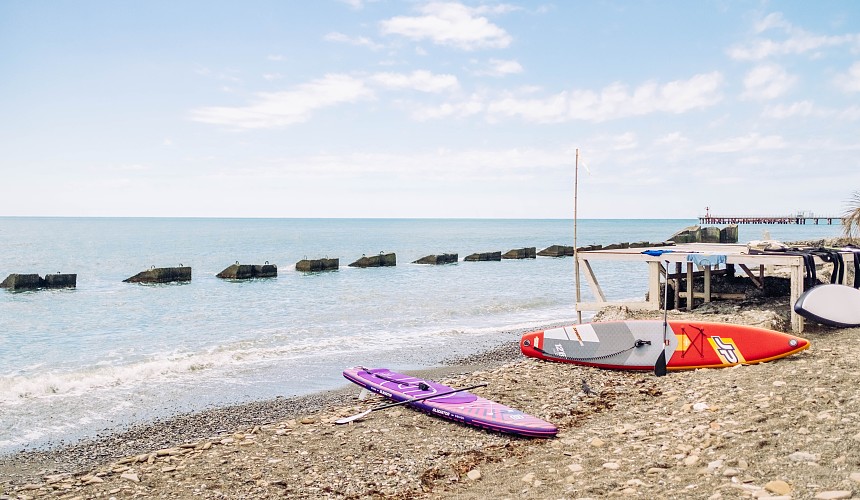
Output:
x=575 y=252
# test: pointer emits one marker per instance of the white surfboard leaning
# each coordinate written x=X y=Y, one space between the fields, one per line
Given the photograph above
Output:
x=831 y=304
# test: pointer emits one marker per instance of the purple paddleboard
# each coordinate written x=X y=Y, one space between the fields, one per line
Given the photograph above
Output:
x=461 y=407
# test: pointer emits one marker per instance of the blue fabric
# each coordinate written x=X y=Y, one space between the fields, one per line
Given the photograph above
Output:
x=704 y=259
x=656 y=253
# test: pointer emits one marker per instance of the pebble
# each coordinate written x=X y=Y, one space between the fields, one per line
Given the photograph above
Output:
x=474 y=474
x=778 y=486
x=802 y=456
x=833 y=495
x=131 y=476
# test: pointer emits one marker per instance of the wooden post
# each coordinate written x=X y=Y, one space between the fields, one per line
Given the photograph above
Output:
x=796 y=290
x=689 y=286
x=677 y=285
x=654 y=270
x=707 y=283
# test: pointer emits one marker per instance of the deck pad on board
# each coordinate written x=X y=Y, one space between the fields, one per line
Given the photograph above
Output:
x=461 y=406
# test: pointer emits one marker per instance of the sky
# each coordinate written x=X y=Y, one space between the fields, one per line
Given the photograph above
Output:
x=395 y=108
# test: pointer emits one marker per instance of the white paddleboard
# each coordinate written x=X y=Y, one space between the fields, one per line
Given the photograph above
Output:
x=833 y=305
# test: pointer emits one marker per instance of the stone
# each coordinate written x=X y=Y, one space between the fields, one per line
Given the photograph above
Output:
x=575 y=468
x=474 y=474
x=528 y=478
x=596 y=442
x=611 y=466
x=833 y=495
x=691 y=460
x=802 y=456
x=131 y=476
x=778 y=486
x=855 y=476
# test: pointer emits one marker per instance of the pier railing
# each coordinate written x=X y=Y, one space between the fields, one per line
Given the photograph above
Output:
x=773 y=219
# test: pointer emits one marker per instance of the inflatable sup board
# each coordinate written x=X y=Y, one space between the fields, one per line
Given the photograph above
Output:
x=461 y=406
x=636 y=345
x=832 y=305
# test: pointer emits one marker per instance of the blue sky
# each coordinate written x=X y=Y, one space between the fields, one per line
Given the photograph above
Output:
x=387 y=108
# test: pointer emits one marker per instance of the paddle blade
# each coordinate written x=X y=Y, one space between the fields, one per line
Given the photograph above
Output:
x=346 y=420
x=660 y=367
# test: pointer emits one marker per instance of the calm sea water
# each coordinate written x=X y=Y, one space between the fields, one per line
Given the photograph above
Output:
x=75 y=362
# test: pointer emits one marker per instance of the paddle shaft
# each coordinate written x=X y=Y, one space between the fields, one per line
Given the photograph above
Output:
x=660 y=366
x=422 y=398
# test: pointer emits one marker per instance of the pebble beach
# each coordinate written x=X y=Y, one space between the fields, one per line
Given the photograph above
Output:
x=786 y=429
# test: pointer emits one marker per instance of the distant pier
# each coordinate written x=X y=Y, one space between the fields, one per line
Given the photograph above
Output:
x=787 y=219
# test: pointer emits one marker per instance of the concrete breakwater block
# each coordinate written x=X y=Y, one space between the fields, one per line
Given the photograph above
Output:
x=34 y=281
x=315 y=265
x=557 y=251
x=161 y=275
x=381 y=260
x=22 y=282
x=699 y=234
x=729 y=234
x=445 y=258
x=486 y=256
x=520 y=253
x=61 y=280
x=247 y=271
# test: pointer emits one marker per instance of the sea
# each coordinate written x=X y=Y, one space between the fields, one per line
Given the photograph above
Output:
x=78 y=362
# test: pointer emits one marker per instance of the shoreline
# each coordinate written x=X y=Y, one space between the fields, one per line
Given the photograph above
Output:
x=787 y=428
x=27 y=466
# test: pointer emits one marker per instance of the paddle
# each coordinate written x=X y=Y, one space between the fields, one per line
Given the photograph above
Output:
x=660 y=367
x=357 y=416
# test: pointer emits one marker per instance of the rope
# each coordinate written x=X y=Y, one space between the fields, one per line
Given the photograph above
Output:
x=638 y=343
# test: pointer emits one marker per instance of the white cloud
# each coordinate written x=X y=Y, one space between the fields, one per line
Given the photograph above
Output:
x=277 y=109
x=614 y=101
x=767 y=81
x=800 y=109
x=850 y=81
x=749 y=142
x=460 y=109
x=275 y=57
x=450 y=24
x=355 y=4
x=796 y=41
x=360 y=41
x=421 y=80
x=501 y=67
x=673 y=138
x=625 y=141
x=272 y=76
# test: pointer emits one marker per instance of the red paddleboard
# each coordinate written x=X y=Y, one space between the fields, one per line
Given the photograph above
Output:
x=636 y=345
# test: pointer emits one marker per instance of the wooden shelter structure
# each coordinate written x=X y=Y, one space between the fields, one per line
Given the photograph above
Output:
x=754 y=265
